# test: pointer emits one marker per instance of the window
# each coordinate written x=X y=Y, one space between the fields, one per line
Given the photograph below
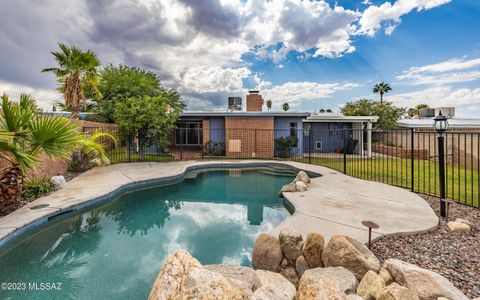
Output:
x=318 y=145
x=189 y=133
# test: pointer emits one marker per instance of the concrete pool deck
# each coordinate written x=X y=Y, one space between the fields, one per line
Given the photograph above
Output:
x=334 y=204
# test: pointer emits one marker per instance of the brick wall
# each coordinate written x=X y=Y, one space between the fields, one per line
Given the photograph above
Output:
x=249 y=137
x=254 y=102
x=400 y=152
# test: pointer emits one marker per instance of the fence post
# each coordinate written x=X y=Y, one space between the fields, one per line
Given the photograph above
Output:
x=441 y=173
x=310 y=140
x=129 y=146
x=181 y=143
x=345 y=152
x=412 y=159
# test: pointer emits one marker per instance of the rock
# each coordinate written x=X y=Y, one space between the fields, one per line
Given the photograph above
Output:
x=339 y=277
x=239 y=276
x=458 y=227
x=284 y=263
x=387 y=278
x=58 y=182
x=291 y=244
x=326 y=283
x=395 y=291
x=97 y=162
x=313 y=248
x=291 y=275
x=303 y=176
x=351 y=254
x=204 y=284
x=301 y=265
x=289 y=188
x=267 y=253
x=301 y=186
x=370 y=286
x=443 y=298
x=173 y=275
x=272 y=284
x=464 y=221
x=424 y=283
x=354 y=297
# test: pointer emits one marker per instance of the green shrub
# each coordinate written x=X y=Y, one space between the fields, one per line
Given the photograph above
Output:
x=36 y=188
x=392 y=144
x=285 y=145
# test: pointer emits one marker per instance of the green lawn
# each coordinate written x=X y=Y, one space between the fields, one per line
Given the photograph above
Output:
x=462 y=184
x=120 y=155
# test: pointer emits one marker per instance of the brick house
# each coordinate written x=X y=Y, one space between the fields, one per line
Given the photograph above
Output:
x=251 y=132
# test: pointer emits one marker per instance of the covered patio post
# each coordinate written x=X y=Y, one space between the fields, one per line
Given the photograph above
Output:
x=369 y=139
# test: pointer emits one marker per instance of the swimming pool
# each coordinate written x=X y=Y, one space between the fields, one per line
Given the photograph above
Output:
x=116 y=250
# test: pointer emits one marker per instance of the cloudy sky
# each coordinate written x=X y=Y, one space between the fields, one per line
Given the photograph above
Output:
x=312 y=54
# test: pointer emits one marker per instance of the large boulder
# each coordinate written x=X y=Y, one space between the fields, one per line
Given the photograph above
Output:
x=351 y=254
x=291 y=275
x=326 y=283
x=301 y=186
x=424 y=283
x=205 y=284
x=303 y=176
x=288 y=188
x=387 y=278
x=241 y=277
x=270 y=285
x=173 y=275
x=395 y=291
x=291 y=244
x=338 y=277
x=267 y=253
x=370 y=286
x=313 y=248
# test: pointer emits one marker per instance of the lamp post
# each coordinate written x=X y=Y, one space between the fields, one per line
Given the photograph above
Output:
x=440 y=125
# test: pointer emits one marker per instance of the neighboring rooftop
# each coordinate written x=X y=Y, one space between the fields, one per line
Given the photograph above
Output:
x=428 y=123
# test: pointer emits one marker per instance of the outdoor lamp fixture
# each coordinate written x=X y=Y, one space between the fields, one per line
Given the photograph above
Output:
x=440 y=125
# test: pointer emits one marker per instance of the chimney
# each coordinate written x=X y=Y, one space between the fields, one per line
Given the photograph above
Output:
x=254 y=101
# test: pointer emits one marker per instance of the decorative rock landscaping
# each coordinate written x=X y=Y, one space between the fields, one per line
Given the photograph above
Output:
x=299 y=184
x=289 y=268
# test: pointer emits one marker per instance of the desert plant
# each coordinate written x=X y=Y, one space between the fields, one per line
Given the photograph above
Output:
x=36 y=188
x=28 y=134
x=269 y=105
x=76 y=74
x=381 y=88
x=92 y=148
x=285 y=106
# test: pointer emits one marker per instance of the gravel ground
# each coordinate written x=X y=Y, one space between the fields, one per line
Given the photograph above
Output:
x=455 y=256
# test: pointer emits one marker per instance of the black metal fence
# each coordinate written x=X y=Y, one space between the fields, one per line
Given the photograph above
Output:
x=401 y=157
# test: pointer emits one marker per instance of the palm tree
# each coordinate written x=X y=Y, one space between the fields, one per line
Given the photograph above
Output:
x=285 y=106
x=26 y=135
x=76 y=73
x=269 y=105
x=381 y=88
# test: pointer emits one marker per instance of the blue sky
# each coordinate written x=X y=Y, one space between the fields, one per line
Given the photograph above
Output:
x=312 y=54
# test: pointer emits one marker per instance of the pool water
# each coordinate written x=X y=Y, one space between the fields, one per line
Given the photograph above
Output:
x=116 y=250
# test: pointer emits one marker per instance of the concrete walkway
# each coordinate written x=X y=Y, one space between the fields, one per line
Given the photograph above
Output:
x=334 y=203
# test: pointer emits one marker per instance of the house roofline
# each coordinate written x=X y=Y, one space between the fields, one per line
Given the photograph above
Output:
x=245 y=114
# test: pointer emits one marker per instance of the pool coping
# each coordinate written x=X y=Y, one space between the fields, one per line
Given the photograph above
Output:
x=69 y=200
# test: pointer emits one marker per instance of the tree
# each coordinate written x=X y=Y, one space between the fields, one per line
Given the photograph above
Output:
x=415 y=111
x=269 y=105
x=149 y=118
x=381 y=88
x=329 y=110
x=285 y=106
x=76 y=74
x=386 y=112
x=122 y=82
x=26 y=134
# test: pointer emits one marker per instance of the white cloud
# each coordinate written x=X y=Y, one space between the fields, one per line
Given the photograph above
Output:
x=43 y=97
x=375 y=16
x=450 y=71
x=464 y=99
x=297 y=93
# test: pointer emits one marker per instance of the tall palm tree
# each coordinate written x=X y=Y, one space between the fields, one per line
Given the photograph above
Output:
x=28 y=134
x=285 y=106
x=269 y=105
x=76 y=73
x=381 y=88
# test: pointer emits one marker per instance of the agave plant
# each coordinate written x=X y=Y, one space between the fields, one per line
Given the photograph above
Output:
x=25 y=134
